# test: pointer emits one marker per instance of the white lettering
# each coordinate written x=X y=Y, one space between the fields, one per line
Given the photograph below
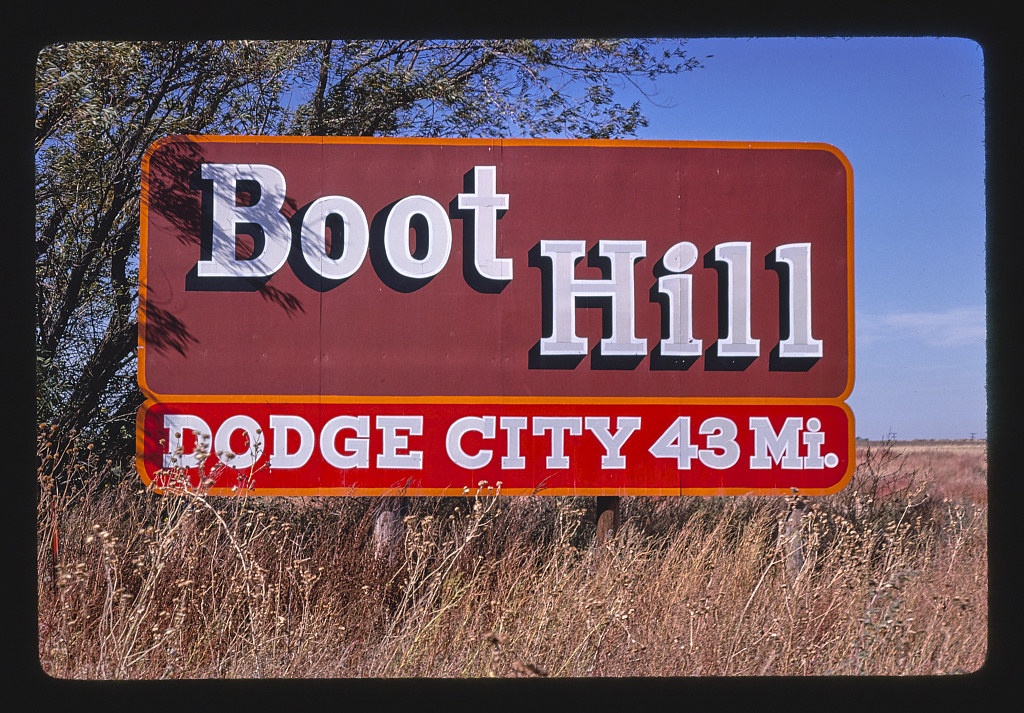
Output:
x=625 y=427
x=417 y=242
x=783 y=446
x=813 y=438
x=438 y=237
x=357 y=454
x=674 y=443
x=737 y=341
x=485 y=204
x=355 y=237
x=264 y=214
x=558 y=426
x=394 y=442
x=566 y=289
x=513 y=426
x=721 y=433
x=799 y=343
x=281 y=426
x=453 y=441
x=222 y=442
x=679 y=289
x=176 y=425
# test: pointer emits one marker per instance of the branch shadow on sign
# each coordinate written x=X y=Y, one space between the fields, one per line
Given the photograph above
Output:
x=175 y=200
x=244 y=283
x=165 y=332
x=335 y=247
x=250 y=241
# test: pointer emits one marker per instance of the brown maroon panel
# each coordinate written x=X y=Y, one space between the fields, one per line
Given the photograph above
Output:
x=372 y=335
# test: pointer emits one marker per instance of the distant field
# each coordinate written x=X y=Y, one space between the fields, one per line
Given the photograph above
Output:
x=950 y=468
x=975 y=443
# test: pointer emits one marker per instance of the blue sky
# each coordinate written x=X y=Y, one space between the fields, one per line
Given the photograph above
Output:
x=909 y=115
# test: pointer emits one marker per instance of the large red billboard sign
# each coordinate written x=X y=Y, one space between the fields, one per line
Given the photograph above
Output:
x=371 y=316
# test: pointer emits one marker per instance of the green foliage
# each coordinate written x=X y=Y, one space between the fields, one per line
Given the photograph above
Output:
x=100 y=105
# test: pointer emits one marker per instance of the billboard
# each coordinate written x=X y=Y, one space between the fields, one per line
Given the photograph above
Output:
x=567 y=317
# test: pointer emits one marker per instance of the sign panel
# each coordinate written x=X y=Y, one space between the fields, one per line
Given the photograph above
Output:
x=361 y=316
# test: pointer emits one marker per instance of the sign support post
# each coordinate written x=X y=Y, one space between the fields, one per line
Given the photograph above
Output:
x=607 y=519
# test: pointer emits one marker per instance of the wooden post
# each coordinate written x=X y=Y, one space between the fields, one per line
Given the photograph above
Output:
x=607 y=518
x=792 y=540
x=389 y=529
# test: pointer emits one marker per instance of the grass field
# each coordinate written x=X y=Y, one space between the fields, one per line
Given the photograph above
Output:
x=890 y=578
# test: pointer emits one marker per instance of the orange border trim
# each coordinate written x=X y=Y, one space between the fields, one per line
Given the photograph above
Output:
x=839 y=400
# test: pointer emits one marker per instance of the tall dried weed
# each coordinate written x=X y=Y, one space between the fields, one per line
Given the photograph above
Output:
x=887 y=577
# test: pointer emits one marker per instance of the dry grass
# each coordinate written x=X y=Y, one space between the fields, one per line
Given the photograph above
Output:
x=142 y=586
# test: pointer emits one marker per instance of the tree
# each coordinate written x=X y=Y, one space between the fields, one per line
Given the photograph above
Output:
x=98 y=108
x=100 y=105
x=481 y=87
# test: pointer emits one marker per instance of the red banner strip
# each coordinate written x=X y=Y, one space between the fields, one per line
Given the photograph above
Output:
x=521 y=448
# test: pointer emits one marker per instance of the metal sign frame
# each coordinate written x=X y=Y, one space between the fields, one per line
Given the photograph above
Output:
x=565 y=317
